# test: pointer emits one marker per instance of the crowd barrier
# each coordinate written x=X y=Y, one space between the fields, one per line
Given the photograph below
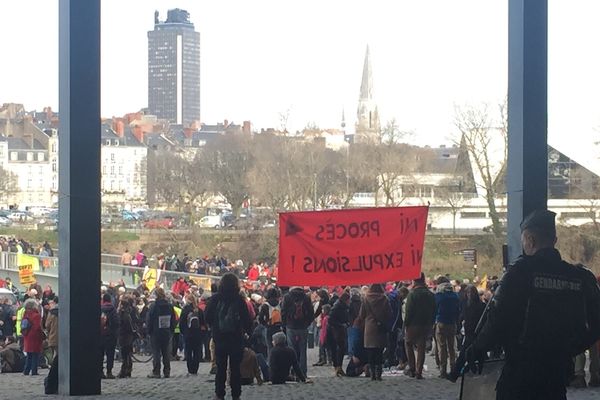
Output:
x=110 y=268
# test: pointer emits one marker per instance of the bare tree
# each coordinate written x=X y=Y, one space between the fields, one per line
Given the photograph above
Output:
x=480 y=136
x=229 y=159
x=268 y=175
x=196 y=183
x=391 y=134
x=165 y=177
x=359 y=171
x=284 y=117
x=449 y=195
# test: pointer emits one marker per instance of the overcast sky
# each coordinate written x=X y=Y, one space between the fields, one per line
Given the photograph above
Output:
x=261 y=58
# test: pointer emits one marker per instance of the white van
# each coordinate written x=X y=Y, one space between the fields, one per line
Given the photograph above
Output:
x=211 y=221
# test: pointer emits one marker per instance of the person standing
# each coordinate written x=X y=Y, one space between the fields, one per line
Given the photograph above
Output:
x=420 y=314
x=228 y=317
x=51 y=326
x=270 y=315
x=297 y=315
x=176 y=333
x=376 y=313
x=545 y=312
x=190 y=323
x=446 y=318
x=471 y=314
x=127 y=335
x=126 y=258
x=161 y=325
x=109 y=330
x=33 y=336
x=337 y=333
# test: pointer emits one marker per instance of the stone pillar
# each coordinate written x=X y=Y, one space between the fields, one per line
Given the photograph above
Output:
x=79 y=199
x=527 y=177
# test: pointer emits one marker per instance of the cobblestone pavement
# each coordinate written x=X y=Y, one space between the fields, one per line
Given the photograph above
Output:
x=325 y=386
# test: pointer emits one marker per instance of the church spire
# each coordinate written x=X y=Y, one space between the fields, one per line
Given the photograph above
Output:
x=366 y=86
x=367 y=123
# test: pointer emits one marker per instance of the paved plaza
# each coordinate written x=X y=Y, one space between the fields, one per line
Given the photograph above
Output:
x=325 y=386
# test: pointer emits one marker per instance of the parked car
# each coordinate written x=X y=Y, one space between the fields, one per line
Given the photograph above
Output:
x=19 y=216
x=269 y=224
x=129 y=216
x=211 y=221
x=5 y=221
x=7 y=294
x=157 y=223
x=246 y=224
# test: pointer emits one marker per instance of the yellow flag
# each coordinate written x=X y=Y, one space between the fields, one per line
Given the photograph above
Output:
x=151 y=276
x=483 y=284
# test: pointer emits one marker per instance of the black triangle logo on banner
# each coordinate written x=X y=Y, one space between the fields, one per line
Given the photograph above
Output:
x=291 y=228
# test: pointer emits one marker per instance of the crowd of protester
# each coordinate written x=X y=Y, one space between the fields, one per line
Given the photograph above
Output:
x=252 y=331
x=206 y=265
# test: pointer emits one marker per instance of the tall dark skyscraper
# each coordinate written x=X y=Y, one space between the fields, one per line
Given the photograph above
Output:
x=174 y=69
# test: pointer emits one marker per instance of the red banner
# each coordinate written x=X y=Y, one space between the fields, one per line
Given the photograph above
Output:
x=351 y=247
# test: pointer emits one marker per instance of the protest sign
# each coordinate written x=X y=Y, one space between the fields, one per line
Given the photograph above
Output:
x=351 y=247
x=26 y=276
x=24 y=259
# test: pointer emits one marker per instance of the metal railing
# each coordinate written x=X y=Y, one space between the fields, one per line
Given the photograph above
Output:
x=111 y=271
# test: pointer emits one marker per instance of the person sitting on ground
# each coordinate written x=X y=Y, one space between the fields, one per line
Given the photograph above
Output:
x=249 y=368
x=12 y=359
x=359 y=360
x=281 y=359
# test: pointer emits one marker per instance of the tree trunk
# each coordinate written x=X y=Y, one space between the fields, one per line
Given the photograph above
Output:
x=454 y=222
x=496 y=228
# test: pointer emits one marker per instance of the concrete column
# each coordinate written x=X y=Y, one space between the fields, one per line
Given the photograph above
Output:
x=527 y=178
x=79 y=200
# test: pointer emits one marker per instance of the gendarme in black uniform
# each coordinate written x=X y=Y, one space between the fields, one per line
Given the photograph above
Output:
x=545 y=312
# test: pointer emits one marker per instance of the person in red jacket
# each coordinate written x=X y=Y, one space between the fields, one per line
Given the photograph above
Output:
x=253 y=273
x=180 y=287
x=33 y=336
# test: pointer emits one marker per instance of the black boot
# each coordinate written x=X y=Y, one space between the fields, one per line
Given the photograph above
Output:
x=379 y=371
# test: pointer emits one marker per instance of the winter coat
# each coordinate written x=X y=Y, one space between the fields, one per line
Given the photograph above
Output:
x=190 y=333
x=249 y=368
x=161 y=308
x=109 y=310
x=323 y=331
x=288 y=309
x=355 y=305
x=52 y=327
x=420 y=307
x=447 y=304
x=212 y=317
x=377 y=314
x=179 y=287
x=472 y=314
x=339 y=316
x=265 y=311
x=127 y=327
x=12 y=358
x=33 y=338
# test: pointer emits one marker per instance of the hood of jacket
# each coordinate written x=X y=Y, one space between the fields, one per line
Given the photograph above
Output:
x=376 y=303
x=297 y=293
x=444 y=287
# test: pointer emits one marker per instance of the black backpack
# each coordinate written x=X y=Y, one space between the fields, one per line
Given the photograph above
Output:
x=297 y=311
x=194 y=320
x=228 y=317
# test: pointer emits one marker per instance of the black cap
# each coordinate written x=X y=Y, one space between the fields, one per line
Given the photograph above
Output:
x=541 y=220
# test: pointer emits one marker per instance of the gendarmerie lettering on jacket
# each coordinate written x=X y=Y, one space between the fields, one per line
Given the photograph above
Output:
x=555 y=283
